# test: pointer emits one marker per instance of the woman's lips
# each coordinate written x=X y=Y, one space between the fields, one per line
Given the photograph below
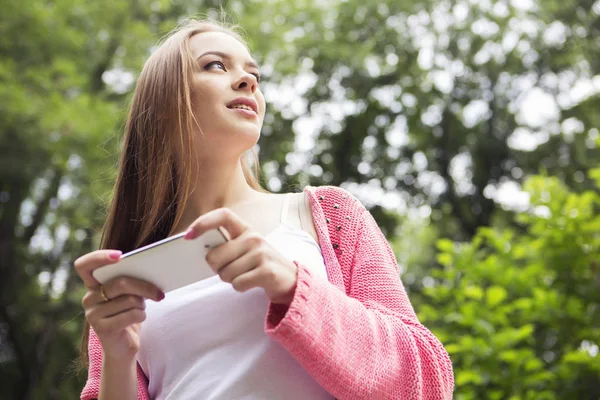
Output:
x=245 y=112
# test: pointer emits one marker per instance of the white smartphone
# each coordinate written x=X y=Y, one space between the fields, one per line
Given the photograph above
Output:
x=170 y=263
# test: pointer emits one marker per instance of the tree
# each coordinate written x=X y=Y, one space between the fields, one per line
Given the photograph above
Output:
x=519 y=313
x=57 y=114
x=437 y=96
x=66 y=72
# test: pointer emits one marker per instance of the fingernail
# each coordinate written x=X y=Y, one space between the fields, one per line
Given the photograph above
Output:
x=114 y=255
x=189 y=234
x=161 y=296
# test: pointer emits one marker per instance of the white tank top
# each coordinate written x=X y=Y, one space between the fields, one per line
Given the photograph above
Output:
x=207 y=341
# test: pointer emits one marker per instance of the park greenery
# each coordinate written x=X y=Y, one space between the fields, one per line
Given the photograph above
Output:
x=468 y=128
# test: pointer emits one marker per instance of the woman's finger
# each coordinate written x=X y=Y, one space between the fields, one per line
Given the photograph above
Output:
x=119 y=321
x=114 y=307
x=87 y=263
x=125 y=285
x=240 y=266
x=249 y=280
x=92 y=298
x=223 y=255
x=221 y=217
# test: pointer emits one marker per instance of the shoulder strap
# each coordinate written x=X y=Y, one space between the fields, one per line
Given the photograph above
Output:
x=304 y=214
x=285 y=208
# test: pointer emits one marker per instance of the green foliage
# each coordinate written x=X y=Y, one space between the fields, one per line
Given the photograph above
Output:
x=519 y=309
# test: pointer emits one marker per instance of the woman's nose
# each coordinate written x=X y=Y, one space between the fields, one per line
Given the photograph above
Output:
x=246 y=82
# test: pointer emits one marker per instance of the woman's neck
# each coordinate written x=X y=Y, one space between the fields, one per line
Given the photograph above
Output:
x=216 y=186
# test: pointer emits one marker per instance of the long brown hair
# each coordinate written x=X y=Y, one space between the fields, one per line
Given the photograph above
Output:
x=155 y=168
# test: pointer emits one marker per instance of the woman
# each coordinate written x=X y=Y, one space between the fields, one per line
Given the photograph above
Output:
x=307 y=303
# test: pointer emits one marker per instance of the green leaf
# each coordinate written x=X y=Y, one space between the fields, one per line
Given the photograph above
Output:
x=453 y=348
x=495 y=295
x=467 y=377
x=445 y=245
x=594 y=174
x=445 y=259
x=474 y=292
x=533 y=364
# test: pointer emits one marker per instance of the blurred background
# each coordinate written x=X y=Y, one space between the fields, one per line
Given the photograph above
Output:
x=469 y=128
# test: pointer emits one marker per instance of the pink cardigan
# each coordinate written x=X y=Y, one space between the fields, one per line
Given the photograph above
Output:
x=357 y=333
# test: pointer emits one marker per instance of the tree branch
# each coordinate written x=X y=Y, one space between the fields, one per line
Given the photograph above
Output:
x=42 y=207
x=443 y=159
x=97 y=84
x=17 y=347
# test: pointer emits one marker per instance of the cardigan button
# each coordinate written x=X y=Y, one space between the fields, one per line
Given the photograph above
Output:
x=336 y=206
x=328 y=220
x=321 y=198
x=335 y=246
x=339 y=228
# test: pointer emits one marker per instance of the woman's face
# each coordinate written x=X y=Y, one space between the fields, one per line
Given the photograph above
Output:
x=229 y=105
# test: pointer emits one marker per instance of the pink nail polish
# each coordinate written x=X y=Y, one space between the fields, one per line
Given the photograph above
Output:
x=189 y=234
x=115 y=255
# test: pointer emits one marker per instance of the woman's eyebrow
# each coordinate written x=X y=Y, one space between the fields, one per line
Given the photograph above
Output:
x=251 y=63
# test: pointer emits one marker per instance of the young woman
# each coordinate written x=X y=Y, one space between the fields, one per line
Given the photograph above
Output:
x=307 y=303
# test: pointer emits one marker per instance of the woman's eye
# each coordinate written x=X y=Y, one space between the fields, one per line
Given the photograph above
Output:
x=219 y=64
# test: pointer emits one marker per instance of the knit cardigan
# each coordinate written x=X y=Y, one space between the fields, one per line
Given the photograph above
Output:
x=355 y=332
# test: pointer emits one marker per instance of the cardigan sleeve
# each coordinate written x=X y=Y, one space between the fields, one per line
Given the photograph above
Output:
x=92 y=386
x=367 y=344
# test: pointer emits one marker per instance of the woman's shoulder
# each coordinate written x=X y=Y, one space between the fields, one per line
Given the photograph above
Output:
x=327 y=189
x=318 y=206
x=333 y=198
x=331 y=209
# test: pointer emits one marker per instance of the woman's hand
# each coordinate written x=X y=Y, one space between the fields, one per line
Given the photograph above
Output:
x=247 y=260
x=116 y=309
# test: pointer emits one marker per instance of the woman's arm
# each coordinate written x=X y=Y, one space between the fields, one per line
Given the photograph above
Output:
x=119 y=379
x=111 y=379
x=367 y=344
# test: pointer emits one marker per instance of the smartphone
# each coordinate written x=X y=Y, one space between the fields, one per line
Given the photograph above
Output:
x=169 y=264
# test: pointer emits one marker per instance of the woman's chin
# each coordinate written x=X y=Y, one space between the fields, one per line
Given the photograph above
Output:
x=244 y=139
x=247 y=132
x=237 y=135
